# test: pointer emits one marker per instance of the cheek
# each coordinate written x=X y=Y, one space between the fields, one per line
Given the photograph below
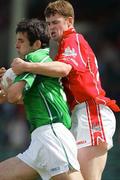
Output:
x=63 y=27
x=60 y=29
x=25 y=49
x=49 y=32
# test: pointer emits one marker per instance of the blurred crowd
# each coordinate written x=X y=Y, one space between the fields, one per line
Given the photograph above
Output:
x=14 y=133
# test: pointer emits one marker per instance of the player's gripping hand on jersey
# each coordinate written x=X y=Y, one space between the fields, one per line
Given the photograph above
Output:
x=18 y=66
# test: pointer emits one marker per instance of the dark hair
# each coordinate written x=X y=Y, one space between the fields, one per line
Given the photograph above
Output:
x=60 y=7
x=35 y=29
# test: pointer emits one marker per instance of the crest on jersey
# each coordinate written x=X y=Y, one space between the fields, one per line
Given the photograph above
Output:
x=70 y=52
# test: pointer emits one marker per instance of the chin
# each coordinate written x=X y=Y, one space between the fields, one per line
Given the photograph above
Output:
x=21 y=56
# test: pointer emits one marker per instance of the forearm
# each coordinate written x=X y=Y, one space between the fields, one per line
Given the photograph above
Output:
x=53 y=69
x=14 y=93
x=4 y=99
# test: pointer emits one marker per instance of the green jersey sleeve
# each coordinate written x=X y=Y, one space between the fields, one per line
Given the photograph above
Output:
x=41 y=55
x=28 y=78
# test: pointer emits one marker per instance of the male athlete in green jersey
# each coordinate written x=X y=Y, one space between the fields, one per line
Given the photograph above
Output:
x=52 y=152
x=43 y=96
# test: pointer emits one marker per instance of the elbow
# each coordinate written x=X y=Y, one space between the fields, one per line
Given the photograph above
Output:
x=12 y=99
x=66 y=70
x=64 y=73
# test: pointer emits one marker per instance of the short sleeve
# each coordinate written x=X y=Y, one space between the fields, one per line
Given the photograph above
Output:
x=28 y=78
x=71 y=52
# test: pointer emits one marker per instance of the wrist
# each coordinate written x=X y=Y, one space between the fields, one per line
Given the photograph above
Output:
x=27 y=67
x=30 y=67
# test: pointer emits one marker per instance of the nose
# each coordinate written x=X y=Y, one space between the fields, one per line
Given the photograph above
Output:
x=17 y=45
x=51 y=26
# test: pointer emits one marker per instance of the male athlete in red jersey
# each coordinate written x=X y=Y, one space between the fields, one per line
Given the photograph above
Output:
x=92 y=116
x=83 y=81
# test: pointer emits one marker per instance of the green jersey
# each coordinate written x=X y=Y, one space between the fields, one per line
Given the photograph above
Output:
x=43 y=96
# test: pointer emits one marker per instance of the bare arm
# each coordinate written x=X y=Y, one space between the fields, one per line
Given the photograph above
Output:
x=4 y=98
x=53 y=69
x=14 y=93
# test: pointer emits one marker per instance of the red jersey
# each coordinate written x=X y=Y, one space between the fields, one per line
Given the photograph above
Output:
x=83 y=82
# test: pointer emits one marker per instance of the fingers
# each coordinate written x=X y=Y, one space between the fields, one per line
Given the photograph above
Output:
x=16 y=61
x=18 y=66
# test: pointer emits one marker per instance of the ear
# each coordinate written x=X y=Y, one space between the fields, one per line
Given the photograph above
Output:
x=37 y=45
x=70 y=21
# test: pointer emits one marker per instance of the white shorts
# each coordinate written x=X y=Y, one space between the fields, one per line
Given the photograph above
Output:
x=91 y=123
x=52 y=151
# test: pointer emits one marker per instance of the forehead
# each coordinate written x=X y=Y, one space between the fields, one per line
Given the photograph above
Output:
x=55 y=17
x=22 y=35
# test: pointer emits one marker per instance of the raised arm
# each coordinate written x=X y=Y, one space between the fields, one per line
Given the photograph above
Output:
x=53 y=69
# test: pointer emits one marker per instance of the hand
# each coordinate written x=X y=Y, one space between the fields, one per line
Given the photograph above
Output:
x=18 y=66
x=2 y=71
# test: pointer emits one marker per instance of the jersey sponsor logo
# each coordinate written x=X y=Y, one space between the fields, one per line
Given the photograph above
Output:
x=96 y=127
x=55 y=169
x=59 y=168
x=70 y=52
x=81 y=142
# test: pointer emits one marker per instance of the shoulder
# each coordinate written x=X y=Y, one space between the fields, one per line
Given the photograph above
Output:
x=38 y=55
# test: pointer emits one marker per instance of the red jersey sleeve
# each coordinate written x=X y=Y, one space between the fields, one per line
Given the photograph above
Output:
x=71 y=52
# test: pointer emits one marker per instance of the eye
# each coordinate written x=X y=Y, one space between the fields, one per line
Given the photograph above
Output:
x=56 y=22
x=48 y=23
